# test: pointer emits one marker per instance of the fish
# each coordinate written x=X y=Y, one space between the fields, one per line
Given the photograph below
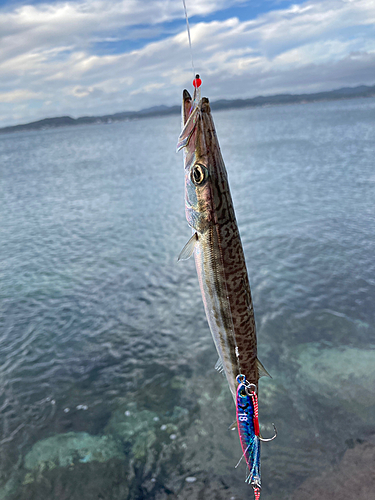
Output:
x=216 y=245
x=222 y=272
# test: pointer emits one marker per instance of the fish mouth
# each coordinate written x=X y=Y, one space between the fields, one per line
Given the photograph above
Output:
x=190 y=103
x=192 y=112
x=187 y=106
x=190 y=115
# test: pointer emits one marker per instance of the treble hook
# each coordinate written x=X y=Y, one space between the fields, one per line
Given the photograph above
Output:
x=265 y=440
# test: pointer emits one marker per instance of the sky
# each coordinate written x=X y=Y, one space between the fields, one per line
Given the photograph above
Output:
x=96 y=57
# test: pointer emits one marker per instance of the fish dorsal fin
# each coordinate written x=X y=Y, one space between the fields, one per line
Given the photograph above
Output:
x=188 y=249
x=262 y=372
x=188 y=129
x=219 y=366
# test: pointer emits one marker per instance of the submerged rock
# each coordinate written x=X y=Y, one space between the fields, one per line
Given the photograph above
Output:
x=344 y=376
x=134 y=427
x=89 y=481
x=141 y=429
x=68 y=449
x=353 y=478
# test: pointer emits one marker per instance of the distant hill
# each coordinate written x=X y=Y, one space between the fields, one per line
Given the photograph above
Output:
x=63 y=121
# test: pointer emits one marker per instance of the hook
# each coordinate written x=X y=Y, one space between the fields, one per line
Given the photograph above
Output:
x=265 y=440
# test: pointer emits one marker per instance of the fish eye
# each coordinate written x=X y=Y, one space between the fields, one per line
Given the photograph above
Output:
x=199 y=174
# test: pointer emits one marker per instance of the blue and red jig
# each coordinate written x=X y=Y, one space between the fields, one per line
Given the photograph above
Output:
x=248 y=430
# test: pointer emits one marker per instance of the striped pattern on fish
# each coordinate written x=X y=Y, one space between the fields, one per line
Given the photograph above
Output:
x=216 y=245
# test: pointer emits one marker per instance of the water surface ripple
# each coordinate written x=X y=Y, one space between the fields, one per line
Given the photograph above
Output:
x=103 y=334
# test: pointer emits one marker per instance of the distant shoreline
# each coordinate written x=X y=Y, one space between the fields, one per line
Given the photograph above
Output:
x=332 y=95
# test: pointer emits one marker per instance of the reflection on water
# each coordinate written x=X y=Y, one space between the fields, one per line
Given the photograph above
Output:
x=107 y=386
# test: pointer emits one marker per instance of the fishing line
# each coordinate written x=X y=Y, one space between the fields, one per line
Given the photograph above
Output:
x=243 y=454
x=188 y=32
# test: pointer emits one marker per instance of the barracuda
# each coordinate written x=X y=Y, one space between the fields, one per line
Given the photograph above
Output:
x=216 y=245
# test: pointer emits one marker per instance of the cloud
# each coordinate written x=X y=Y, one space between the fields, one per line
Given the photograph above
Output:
x=51 y=24
x=50 y=61
x=18 y=96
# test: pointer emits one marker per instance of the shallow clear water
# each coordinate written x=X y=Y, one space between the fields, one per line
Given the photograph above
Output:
x=104 y=333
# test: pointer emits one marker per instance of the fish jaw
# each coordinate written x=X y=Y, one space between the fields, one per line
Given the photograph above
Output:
x=187 y=105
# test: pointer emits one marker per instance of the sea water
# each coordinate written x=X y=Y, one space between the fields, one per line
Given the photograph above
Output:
x=107 y=380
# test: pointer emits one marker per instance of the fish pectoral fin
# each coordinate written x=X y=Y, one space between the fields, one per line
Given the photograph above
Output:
x=188 y=249
x=233 y=426
x=262 y=372
x=188 y=129
x=219 y=366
